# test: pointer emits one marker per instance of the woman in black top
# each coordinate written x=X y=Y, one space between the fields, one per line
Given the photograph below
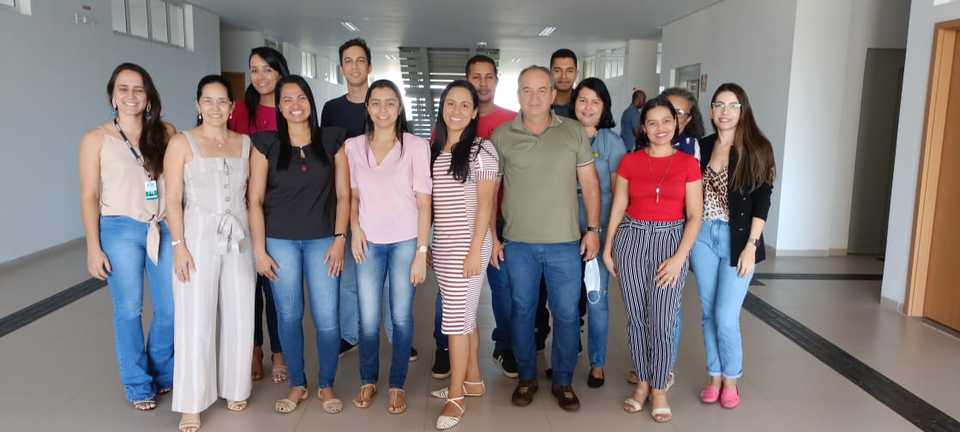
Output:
x=299 y=197
x=738 y=173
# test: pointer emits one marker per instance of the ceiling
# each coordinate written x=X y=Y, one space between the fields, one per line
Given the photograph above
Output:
x=505 y=24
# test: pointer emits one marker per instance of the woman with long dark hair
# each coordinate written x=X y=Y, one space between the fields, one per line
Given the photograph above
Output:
x=390 y=222
x=299 y=197
x=591 y=107
x=257 y=112
x=465 y=172
x=206 y=178
x=738 y=173
x=656 y=214
x=122 y=204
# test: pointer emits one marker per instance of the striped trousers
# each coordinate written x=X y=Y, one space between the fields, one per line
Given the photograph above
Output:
x=638 y=249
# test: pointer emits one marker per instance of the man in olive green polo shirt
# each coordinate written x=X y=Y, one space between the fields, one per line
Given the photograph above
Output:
x=543 y=157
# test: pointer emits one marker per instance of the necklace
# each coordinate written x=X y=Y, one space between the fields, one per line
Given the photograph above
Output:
x=665 y=172
x=303 y=159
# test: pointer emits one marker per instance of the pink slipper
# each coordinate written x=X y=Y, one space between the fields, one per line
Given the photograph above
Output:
x=710 y=394
x=730 y=397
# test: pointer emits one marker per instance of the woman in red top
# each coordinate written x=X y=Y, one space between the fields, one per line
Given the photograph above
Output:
x=257 y=112
x=648 y=241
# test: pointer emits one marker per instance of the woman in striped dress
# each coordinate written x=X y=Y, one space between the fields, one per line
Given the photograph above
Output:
x=464 y=188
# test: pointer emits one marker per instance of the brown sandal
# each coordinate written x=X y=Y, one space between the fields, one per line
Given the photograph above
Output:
x=364 y=399
x=397 y=395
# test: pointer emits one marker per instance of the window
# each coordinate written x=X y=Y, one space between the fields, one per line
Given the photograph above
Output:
x=308 y=65
x=157 y=20
x=8 y=3
x=612 y=61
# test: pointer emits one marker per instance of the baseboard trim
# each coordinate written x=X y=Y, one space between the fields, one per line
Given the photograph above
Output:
x=55 y=248
x=891 y=304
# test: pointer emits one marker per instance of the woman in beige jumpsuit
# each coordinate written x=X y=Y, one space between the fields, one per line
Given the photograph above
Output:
x=207 y=169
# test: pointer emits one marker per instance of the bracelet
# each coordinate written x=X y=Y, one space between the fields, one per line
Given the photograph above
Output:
x=340 y=234
x=175 y=243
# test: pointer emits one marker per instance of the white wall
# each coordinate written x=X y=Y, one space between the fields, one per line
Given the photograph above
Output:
x=640 y=68
x=749 y=42
x=235 y=46
x=829 y=55
x=923 y=16
x=322 y=90
x=54 y=87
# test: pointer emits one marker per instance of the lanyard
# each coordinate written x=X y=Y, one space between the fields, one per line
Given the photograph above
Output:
x=133 y=151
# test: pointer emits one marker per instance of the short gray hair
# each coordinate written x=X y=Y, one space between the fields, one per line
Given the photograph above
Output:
x=532 y=68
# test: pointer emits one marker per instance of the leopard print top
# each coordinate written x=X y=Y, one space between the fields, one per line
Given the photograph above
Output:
x=715 y=195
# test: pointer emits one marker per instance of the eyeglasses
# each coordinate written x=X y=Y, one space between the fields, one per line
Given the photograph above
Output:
x=720 y=106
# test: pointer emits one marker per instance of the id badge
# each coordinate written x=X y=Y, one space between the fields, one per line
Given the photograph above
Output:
x=150 y=187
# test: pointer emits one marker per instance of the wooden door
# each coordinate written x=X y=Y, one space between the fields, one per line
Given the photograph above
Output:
x=237 y=83
x=942 y=303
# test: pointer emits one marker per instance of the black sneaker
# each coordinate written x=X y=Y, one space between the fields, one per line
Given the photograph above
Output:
x=414 y=355
x=507 y=362
x=441 y=365
x=346 y=347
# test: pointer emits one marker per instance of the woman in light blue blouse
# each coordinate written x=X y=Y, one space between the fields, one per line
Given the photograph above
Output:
x=592 y=108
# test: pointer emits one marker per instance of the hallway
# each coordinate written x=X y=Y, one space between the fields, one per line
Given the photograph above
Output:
x=61 y=372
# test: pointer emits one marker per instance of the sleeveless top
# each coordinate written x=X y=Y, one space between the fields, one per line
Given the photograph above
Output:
x=122 y=190
x=214 y=192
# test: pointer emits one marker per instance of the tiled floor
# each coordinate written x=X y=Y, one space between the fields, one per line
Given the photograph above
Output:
x=59 y=373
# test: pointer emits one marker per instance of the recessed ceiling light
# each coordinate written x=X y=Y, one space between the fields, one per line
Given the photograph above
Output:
x=515 y=60
x=482 y=44
x=547 y=31
x=349 y=26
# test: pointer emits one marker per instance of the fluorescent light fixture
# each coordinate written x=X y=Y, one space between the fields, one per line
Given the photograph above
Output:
x=391 y=57
x=482 y=44
x=515 y=60
x=547 y=31
x=349 y=26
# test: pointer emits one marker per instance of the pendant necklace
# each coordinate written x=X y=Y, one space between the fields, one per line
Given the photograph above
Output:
x=303 y=159
x=665 y=172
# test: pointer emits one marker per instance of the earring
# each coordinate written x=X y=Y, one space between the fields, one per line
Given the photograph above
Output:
x=115 y=110
x=199 y=117
x=147 y=116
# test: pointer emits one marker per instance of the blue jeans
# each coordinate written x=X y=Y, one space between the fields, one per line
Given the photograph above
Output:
x=349 y=303
x=721 y=297
x=385 y=261
x=300 y=260
x=598 y=319
x=559 y=264
x=144 y=368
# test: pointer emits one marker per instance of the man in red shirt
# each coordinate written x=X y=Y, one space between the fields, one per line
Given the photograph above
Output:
x=481 y=71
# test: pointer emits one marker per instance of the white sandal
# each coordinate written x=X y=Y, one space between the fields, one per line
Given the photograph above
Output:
x=444 y=392
x=191 y=424
x=236 y=406
x=447 y=422
x=634 y=405
x=287 y=406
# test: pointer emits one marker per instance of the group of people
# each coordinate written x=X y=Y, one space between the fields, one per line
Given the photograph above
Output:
x=268 y=194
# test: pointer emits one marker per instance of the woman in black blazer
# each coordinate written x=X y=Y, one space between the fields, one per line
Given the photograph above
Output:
x=738 y=173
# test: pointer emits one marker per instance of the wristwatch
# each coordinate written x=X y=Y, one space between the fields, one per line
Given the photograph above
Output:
x=340 y=234
x=422 y=249
x=175 y=243
x=755 y=242
x=595 y=229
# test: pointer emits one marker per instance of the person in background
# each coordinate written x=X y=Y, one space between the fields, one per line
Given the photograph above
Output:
x=257 y=112
x=691 y=122
x=592 y=109
x=563 y=66
x=122 y=205
x=628 y=120
x=738 y=173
